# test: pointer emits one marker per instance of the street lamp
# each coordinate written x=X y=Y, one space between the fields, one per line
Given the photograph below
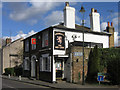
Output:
x=82 y=12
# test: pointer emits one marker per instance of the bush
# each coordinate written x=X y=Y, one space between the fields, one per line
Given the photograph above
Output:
x=93 y=65
x=114 y=71
x=108 y=58
x=18 y=70
x=9 y=71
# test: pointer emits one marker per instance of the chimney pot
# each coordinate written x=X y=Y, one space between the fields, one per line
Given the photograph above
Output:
x=108 y=24
x=111 y=24
x=95 y=10
x=67 y=4
x=8 y=40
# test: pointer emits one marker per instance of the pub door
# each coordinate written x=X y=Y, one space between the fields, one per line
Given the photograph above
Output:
x=59 y=68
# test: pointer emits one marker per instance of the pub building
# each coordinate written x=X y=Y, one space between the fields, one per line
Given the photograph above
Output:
x=55 y=53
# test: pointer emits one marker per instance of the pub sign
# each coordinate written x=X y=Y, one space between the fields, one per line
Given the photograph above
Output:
x=60 y=40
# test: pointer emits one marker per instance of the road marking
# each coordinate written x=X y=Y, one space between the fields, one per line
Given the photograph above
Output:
x=10 y=86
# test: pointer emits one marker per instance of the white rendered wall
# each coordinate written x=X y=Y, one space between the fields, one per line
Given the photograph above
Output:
x=88 y=37
x=97 y=39
x=95 y=21
x=69 y=17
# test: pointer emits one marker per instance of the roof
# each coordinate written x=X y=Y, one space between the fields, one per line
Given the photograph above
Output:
x=78 y=28
x=12 y=42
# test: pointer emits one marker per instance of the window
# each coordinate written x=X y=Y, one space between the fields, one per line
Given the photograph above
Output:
x=45 y=39
x=33 y=43
x=26 y=63
x=26 y=46
x=45 y=63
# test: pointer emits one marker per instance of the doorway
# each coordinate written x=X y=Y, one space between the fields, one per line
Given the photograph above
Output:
x=33 y=61
x=59 y=68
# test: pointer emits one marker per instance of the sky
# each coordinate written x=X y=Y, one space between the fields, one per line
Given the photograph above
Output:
x=22 y=19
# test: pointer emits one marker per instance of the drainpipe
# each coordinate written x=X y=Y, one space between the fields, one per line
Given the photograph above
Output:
x=71 y=67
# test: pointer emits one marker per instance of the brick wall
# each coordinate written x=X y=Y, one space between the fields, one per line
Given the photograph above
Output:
x=77 y=65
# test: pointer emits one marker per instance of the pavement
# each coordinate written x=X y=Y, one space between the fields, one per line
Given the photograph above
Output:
x=59 y=85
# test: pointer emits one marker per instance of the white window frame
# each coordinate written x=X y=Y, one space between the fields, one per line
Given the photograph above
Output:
x=42 y=63
x=26 y=63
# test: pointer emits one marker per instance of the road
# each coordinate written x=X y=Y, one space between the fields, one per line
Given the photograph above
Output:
x=15 y=85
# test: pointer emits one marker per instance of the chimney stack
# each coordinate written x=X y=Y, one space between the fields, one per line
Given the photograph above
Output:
x=110 y=29
x=108 y=24
x=69 y=16
x=94 y=20
x=8 y=41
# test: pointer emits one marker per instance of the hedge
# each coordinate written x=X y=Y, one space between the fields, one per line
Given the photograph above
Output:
x=9 y=71
x=108 y=58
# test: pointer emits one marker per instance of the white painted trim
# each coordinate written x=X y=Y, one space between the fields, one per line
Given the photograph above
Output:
x=54 y=71
x=63 y=56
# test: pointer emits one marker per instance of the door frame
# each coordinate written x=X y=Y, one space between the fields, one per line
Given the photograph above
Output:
x=62 y=62
x=33 y=65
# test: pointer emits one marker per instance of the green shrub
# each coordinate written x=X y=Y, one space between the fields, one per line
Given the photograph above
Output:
x=93 y=65
x=113 y=70
x=18 y=70
x=9 y=71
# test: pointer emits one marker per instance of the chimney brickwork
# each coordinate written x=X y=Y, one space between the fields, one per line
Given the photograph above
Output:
x=8 y=41
x=110 y=29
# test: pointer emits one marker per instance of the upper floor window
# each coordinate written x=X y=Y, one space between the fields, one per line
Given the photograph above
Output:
x=45 y=39
x=26 y=45
x=33 y=43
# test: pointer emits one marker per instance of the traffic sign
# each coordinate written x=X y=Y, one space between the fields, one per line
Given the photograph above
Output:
x=101 y=78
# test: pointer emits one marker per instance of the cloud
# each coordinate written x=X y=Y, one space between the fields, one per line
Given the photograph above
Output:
x=32 y=11
x=32 y=21
x=103 y=25
x=77 y=19
x=57 y=17
x=73 y=3
x=0 y=4
x=53 y=18
x=21 y=34
x=115 y=21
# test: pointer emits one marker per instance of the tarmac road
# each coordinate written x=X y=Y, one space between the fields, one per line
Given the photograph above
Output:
x=15 y=85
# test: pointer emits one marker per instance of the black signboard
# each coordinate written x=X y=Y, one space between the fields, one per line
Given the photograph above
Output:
x=60 y=40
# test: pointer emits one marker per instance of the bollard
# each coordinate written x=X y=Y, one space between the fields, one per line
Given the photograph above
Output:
x=9 y=75
x=19 y=77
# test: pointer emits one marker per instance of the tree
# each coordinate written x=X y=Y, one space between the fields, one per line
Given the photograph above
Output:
x=93 y=64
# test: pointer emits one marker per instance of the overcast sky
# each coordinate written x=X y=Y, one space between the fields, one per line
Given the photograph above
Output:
x=26 y=18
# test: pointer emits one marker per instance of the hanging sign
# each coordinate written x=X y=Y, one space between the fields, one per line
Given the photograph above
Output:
x=60 y=40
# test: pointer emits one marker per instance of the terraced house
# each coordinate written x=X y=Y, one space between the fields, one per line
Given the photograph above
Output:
x=55 y=53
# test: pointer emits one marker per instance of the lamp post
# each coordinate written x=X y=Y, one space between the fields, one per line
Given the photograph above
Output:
x=82 y=12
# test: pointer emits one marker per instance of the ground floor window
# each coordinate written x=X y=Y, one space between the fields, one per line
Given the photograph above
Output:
x=45 y=63
x=26 y=63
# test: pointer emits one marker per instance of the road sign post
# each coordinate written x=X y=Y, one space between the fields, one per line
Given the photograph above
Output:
x=100 y=77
